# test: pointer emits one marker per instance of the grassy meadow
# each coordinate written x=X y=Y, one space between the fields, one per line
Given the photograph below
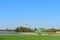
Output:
x=28 y=37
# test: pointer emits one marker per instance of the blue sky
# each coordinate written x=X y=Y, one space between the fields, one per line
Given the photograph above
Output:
x=29 y=13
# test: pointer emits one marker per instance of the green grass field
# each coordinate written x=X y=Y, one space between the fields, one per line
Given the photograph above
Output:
x=28 y=37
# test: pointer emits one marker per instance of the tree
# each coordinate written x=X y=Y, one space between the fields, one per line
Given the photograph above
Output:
x=23 y=29
x=39 y=31
x=52 y=31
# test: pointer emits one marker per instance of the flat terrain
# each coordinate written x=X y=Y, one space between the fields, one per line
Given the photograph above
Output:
x=28 y=37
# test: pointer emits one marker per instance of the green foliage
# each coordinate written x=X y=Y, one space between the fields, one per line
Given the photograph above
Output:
x=23 y=29
x=39 y=31
x=51 y=31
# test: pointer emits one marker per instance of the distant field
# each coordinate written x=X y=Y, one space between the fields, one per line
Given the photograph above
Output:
x=28 y=37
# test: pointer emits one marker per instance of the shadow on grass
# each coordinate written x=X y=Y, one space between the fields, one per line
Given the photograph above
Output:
x=1 y=39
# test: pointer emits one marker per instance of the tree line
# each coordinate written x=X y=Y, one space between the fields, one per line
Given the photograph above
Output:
x=25 y=29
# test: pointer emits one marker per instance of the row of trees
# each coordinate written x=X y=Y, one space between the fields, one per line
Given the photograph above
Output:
x=25 y=29
x=39 y=30
x=51 y=31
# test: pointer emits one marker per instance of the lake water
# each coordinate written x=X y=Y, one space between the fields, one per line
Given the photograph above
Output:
x=9 y=32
